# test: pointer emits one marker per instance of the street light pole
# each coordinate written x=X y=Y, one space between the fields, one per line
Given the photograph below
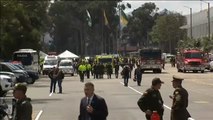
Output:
x=190 y=20
x=191 y=23
x=208 y=16
x=209 y=20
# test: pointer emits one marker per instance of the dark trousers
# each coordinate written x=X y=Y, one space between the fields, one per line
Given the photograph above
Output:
x=52 y=85
x=81 y=74
x=126 y=80
x=139 y=79
x=88 y=74
x=116 y=74
x=60 y=85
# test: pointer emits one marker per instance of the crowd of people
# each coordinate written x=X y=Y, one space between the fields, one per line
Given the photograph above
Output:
x=94 y=107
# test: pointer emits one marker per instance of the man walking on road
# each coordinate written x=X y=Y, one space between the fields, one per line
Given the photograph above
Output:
x=138 y=75
x=92 y=106
x=180 y=100
x=151 y=100
x=125 y=73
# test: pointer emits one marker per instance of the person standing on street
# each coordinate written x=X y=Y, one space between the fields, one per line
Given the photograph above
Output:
x=59 y=76
x=81 y=71
x=88 y=69
x=109 y=70
x=125 y=73
x=52 y=80
x=22 y=107
x=116 y=69
x=180 y=100
x=151 y=100
x=92 y=106
x=138 y=75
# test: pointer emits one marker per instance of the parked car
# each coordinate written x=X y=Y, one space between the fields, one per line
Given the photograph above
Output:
x=32 y=74
x=10 y=74
x=6 y=84
x=21 y=75
x=66 y=66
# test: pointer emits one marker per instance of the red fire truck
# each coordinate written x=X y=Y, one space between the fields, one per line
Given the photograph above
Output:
x=151 y=59
x=190 y=60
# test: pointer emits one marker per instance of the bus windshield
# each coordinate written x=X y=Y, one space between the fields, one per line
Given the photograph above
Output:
x=194 y=55
x=25 y=58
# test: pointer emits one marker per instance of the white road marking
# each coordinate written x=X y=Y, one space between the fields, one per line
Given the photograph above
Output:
x=142 y=94
x=39 y=115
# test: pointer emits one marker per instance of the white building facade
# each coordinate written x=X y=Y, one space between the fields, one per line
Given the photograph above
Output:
x=200 y=27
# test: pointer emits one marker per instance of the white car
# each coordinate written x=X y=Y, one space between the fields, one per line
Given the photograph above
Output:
x=6 y=84
x=67 y=66
x=10 y=74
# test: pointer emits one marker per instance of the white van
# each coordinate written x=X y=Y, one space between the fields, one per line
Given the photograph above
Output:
x=66 y=66
x=50 y=61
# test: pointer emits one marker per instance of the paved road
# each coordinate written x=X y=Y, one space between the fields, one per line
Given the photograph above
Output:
x=122 y=101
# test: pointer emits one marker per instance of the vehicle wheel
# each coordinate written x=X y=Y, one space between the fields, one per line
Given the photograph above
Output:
x=159 y=71
x=30 y=81
x=72 y=74
x=202 y=71
x=211 y=70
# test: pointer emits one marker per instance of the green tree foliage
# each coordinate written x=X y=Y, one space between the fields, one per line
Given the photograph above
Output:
x=141 y=23
x=22 y=25
x=69 y=25
x=167 y=30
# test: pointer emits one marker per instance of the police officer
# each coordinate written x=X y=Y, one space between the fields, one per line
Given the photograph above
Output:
x=109 y=70
x=88 y=69
x=180 y=100
x=151 y=100
x=81 y=71
x=22 y=108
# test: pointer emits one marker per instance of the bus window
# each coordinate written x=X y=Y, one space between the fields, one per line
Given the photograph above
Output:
x=25 y=58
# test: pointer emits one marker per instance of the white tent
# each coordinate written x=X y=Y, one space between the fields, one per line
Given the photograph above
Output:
x=67 y=54
x=42 y=54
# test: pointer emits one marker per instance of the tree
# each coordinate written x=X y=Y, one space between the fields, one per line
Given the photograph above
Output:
x=141 y=23
x=69 y=25
x=22 y=25
x=167 y=30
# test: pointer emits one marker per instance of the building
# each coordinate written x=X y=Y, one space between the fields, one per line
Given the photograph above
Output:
x=199 y=24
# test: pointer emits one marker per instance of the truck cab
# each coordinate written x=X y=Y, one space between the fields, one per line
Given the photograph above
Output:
x=190 y=60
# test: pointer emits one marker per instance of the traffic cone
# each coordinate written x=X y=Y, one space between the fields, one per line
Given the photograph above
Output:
x=155 y=116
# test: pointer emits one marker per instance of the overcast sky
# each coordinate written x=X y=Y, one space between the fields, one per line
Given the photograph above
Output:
x=172 y=5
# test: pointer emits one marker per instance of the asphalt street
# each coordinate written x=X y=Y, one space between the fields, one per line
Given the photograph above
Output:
x=121 y=101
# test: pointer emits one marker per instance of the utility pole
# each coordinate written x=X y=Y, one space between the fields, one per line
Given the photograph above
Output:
x=191 y=23
x=208 y=16
x=190 y=20
x=209 y=21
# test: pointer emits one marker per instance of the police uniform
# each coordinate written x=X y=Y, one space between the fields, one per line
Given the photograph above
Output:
x=180 y=102
x=152 y=100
